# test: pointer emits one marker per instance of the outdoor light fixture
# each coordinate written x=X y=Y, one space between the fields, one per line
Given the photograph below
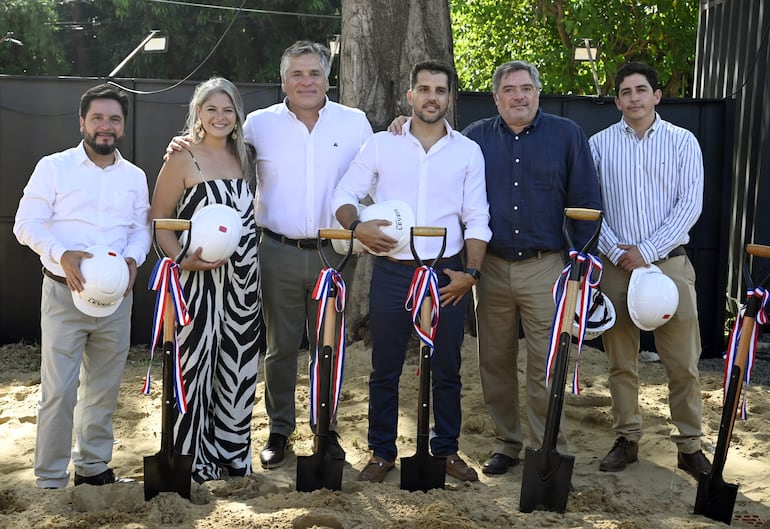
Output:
x=587 y=53
x=9 y=38
x=152 y=43
x=334 y=47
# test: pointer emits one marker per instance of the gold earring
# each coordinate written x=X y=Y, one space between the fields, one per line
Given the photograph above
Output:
x=199 y=130
x=234 y=135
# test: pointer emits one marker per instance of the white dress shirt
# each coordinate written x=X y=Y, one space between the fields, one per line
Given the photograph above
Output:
x=297 y=169
x=70 y=203
x=652 y=188
x=445 y=186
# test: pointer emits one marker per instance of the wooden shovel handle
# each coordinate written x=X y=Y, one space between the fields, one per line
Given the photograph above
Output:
x=428 y=231
x=583 y=213
x=171 y=224
x=334 y=233
x=759 y=250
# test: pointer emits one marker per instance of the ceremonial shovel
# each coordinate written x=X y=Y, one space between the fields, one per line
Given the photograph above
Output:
x=547 y=475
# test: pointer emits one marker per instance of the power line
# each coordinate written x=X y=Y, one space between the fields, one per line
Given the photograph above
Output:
x=247 y=9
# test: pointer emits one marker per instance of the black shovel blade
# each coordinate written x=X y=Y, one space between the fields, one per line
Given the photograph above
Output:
x=546 y=480
x=715 y=498
x=423 y=472
x=166 y=472
x=319 y=471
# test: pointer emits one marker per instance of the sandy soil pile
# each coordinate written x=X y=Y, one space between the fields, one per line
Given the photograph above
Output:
x=649 y=494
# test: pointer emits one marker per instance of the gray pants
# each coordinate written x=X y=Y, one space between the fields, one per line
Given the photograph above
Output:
x=288 y=277
x=82 y=364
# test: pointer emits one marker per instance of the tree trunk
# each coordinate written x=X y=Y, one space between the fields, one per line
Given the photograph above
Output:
x=381 y=40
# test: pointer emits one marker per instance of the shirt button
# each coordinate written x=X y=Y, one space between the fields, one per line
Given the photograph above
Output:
x=516 y=137
x=515 y=184
x=520 y=254
x=517 y=160
x=515 y=208
x=516 y=231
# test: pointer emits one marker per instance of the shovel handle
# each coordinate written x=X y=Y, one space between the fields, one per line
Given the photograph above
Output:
x=583 y=213
x=171 y=224
x=428 y=231
x=334 y=233
x=758 y=250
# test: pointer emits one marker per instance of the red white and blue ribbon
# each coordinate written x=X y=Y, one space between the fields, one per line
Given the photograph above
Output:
x=732 y=347
x=588 y=282
x=165 y=281
x=328 y=280
x=424 y=285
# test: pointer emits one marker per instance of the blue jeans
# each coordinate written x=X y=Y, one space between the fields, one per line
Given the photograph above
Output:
x=391 y=327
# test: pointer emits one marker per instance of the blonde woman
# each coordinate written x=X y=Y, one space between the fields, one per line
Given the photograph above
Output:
x=220 y=347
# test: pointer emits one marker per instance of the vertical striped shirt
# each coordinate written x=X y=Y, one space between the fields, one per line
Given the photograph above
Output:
x=652 y=188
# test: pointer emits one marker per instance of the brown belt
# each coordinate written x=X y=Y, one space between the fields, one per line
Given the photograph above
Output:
x=58 y=279
x=676 y=252
x=415 y=264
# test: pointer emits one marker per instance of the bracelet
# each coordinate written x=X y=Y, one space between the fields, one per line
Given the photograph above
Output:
x=354 y=224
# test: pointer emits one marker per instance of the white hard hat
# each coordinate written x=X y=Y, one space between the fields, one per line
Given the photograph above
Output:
x=401 y=218
x=652 y=298
x=601 y=315
x=106 y=280
x=216 y=229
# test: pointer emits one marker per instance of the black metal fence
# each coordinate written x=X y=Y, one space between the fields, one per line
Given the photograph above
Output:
x=39 y=116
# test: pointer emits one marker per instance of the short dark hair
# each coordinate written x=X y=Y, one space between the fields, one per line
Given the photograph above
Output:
x=636 y=67
x=103 y=91
x=433 y=67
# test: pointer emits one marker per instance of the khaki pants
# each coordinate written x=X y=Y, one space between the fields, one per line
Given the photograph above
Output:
x=678 y=344
x=82 y=364
x=510 y=291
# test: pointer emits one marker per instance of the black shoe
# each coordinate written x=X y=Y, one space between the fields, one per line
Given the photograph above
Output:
x=620 y=455
x=274 y=453
x=499 y=464
x=105 y=478
x=694 y=464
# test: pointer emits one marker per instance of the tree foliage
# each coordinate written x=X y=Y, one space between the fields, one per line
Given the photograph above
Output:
x=90 y=37
x=546 y=32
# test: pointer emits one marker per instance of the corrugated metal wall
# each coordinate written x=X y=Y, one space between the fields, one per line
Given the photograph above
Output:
x=732 y=62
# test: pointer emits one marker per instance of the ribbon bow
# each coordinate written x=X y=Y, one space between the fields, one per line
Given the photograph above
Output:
x=588 y=282
x=165 y=280
x=424 y=285
x=732 y=347
x=328 y=281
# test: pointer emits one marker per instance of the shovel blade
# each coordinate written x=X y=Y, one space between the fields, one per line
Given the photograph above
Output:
x=319 y=471
x=423 y=472
x=715 y=498
x=546 y=480
x=166 y=472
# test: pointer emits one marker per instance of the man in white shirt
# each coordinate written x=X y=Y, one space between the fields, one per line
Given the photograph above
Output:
x=440 y=174
x=304 y=145
x=651 y=177
x=85 y=196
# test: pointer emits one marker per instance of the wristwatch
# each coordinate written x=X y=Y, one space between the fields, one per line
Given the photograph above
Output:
x=474 y=273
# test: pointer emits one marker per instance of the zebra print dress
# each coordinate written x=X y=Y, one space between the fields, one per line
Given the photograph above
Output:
x=220 y=348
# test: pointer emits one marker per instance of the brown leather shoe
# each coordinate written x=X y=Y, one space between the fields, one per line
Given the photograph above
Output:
x=459 y=469
x=375 y=470
x=622 y=453
x=694 y=464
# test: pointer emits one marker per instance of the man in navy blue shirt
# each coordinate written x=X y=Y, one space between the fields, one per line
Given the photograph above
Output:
x=537 y=164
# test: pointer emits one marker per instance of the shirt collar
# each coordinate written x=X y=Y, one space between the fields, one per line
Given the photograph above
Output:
x=450 y=132
x=627 y=129
x=82 y=156
x=321 y=112
x=535 y=122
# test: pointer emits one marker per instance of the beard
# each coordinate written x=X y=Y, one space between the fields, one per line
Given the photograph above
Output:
x=101 y=148
x=426 y=118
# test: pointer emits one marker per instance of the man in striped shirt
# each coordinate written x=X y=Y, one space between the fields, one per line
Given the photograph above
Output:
x=651 y=176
